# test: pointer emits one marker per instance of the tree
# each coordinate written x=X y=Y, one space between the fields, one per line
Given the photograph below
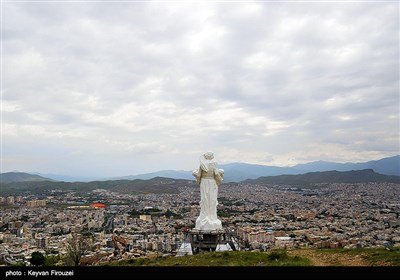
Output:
x=37 y=258
x=77 y=246
x=51 y=260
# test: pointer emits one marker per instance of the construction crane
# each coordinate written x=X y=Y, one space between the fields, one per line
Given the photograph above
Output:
x=119 y=239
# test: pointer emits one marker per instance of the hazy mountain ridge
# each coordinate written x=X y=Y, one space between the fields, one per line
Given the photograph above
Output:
x=168 y=185
x=312 y=178
x=386 y=166
x=66 y=178
x=236 y=172
x=176 y=174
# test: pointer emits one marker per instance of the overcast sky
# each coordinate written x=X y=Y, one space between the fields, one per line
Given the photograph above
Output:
x=109 y=89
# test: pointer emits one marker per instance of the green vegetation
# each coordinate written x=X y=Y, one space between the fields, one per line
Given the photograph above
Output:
x=297 y=257
x=274 y=258
x=19 y=264
x=155 y=185
x=37 y=258
x=77 y=246
x=375 y=256
x=52 y=260
x=384 y=256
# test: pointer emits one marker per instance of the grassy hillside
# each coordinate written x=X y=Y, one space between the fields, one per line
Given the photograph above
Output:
x=373 y=256
x=296 y=257
x=276 y=258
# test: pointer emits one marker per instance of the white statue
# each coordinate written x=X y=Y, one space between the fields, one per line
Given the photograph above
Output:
x=209 y=177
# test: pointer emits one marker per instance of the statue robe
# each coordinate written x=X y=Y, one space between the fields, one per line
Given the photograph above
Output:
x=209 y=177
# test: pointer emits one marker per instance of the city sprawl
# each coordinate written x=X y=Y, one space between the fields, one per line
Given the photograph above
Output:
x=256 y=217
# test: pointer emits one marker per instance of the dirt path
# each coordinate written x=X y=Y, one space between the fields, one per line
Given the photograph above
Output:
x=330 y=259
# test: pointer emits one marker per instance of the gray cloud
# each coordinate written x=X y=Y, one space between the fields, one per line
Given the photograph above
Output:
x=124 y=88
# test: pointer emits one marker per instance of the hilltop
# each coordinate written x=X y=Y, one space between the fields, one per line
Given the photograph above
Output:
x=277 y=257
x=11 y=177
x=232 y=258
x=155 y=185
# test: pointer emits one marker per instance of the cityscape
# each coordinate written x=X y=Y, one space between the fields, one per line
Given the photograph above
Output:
x=254 y=217
x=199 y=134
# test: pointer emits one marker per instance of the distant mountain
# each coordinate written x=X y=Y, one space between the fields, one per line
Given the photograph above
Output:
x=386 y=166
x=168 y=185
x=11 y=177
x=175 y=174
x=309 y=179
x=66 y=178
x=236 y=172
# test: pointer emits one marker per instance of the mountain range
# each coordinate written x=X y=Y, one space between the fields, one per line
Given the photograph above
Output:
x=168 y=185
x=234 y=172
x=322 y=177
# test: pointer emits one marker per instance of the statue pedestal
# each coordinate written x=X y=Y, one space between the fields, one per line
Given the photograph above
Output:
x=206 y=240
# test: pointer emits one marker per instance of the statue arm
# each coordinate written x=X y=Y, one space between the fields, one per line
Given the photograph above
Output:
x=219 y=176
x=197 y=174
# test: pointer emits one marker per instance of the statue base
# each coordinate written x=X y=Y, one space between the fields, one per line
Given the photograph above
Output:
x=206 y=240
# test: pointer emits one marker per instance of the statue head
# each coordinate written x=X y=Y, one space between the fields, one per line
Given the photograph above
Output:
x=205 y=159
x=209 y=155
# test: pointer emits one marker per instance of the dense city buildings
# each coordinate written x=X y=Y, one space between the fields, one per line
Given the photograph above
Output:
x=256 y=217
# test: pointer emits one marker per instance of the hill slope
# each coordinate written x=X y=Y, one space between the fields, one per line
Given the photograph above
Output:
x=155 y=185
x=232 y=258
x=11 y=177
x=294 y=257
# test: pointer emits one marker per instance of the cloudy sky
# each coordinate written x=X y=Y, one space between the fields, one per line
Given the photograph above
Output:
x=109 y=89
